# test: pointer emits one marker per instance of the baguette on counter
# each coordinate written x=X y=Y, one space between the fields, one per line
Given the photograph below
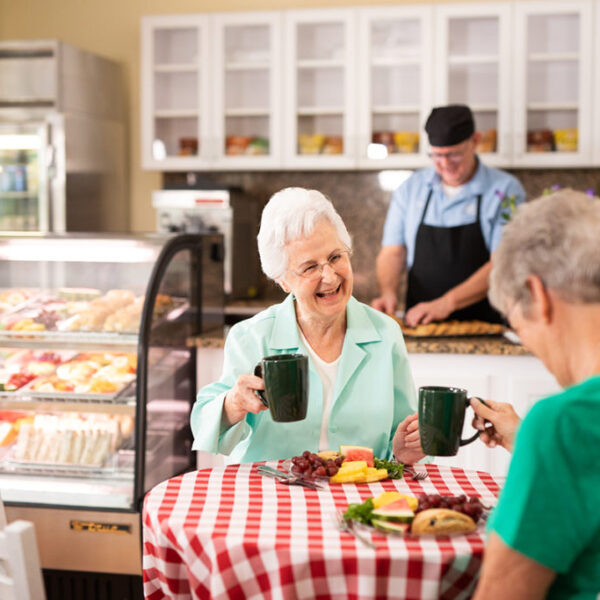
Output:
x=452 y=328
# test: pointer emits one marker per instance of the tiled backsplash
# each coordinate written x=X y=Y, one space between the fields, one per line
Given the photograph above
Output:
x=362 y=203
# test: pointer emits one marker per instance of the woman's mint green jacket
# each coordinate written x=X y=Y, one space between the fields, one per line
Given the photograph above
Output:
x=374 y=389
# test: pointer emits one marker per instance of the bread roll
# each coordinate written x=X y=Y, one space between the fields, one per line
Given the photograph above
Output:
x=441 y=521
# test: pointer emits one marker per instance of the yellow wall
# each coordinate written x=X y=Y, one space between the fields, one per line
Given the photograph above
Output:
x=112 y=28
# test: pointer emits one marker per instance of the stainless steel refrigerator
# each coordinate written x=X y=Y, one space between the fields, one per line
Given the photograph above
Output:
x=62 y=140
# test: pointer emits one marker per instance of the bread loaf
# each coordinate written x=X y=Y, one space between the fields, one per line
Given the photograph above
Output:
x=452 y=328
x=441 y=521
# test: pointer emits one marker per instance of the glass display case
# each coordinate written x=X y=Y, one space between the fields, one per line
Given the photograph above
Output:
x=97 y=379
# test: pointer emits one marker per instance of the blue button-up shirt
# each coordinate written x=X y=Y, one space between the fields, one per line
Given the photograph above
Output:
x=408 y=201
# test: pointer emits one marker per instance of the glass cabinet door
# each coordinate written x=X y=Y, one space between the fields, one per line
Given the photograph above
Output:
x=174 y=90
x=23 y=189
x=247 y=76
x=395 y=85
x=553 y=66
x=320 y=87
x=473 y=53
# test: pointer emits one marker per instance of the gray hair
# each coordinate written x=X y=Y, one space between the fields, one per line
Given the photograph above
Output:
x=557 y=238
x=290 y=214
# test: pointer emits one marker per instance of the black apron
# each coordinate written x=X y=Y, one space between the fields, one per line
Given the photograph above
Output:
x=445 y=257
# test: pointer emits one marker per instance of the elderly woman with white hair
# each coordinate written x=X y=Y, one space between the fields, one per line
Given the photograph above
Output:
x=544 y=535
x=360 y=386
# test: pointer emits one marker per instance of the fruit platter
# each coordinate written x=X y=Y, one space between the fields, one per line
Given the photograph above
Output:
x=425 y=514
x=351 y=464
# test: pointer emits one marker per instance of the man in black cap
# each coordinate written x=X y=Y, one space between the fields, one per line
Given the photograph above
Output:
x=442 y=225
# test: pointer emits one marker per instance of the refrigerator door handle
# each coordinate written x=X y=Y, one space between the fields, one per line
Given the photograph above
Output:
x=50 y=158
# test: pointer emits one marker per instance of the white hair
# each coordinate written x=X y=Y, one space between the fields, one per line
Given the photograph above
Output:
x=557 y=238
x=290 y=214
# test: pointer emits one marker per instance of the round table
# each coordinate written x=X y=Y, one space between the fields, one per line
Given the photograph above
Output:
x=229 y=532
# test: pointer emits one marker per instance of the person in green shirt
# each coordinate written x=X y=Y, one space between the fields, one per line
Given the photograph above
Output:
x=544 y=535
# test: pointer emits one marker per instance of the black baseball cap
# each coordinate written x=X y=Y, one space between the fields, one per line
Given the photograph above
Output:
x=449 y=125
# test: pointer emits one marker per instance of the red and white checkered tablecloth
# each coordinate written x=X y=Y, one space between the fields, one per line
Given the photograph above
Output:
x=230 y=533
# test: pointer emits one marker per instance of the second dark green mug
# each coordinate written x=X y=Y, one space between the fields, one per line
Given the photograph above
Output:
x=286 y=386
x=441 y=418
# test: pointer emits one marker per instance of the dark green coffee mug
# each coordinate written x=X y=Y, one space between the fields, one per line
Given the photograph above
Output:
x=286 y=386
x=441 y=419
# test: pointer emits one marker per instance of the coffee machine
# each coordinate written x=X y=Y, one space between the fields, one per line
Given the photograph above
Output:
x=226 y=211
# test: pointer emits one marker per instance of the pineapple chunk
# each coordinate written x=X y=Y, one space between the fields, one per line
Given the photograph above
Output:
x=354 y=466
x=372 y=475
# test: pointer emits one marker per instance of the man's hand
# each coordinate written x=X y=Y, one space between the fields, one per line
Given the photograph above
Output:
x=387 y=303
x=426 y=312
x=406 y=444
x=505 y=422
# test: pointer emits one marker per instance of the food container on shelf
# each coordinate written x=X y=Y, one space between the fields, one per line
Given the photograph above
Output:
x=488 y=141
x=333 y=145
x=566 y=140
x=540 y=140
x=311 y=143
x=258 y=146
x=236 y=144
x=188 y=146
x=385 y=138
x=406 y=141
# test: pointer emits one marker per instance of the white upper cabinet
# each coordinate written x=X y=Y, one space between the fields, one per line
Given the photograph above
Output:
x=553 y=83
x=472 y=66
x=320 y=89
x=352 y=87
x=246 y=91
x=395 y=85
x=175 y=92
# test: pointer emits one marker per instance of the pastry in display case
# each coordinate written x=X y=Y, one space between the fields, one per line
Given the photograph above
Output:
x=97 y=380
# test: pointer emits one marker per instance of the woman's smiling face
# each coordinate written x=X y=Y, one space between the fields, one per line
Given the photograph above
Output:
x=319 y=272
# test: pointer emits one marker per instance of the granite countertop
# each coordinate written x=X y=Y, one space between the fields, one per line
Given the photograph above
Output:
x=495 y=345
x=485 y=344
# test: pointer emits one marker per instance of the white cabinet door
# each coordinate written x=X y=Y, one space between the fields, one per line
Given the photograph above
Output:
x=553 y=83
x=473 y=49
x=247 y=90
x=320 y=89
x=394 y=85
x=174 y=92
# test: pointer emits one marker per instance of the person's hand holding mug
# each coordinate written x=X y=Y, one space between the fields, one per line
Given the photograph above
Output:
x=407 y=441
x=504 y=423
x=242 y=399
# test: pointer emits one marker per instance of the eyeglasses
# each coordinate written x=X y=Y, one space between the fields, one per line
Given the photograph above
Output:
x=314 y=271
x=451 y=157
